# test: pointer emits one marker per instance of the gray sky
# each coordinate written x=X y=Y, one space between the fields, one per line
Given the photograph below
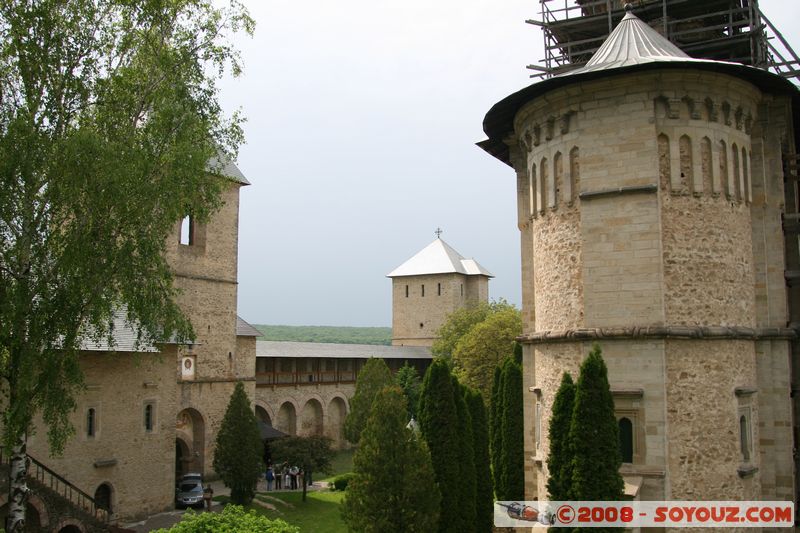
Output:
x=362 y=122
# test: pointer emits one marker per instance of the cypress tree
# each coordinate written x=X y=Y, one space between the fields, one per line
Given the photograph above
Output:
x=513 y=453
x=393 y=488
x=593 y=435
x=438 y=422
x=372 y=378
x=496 y=430
x=466 y=461
x=484 y=504
x=559 y=461
x=239 y=450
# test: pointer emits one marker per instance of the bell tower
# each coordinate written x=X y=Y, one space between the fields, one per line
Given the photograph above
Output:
x=428 y=287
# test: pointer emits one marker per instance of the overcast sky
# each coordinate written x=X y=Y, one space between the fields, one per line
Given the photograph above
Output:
x=362 y=119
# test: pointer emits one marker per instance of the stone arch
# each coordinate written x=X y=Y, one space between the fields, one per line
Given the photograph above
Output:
x=190 y=442
x=543 y=185
x=337 y=412
x=706 y=165
x=574 y=174
x=745 y=177
x=558 y=179
x=264 y=413
x=311 y=418
x=664 y=162
x=723 y=169
x=104 y=497
x=70 y=525
x=686 y=163
x=534 y=191
x=36 y=516
x=737 y=187
x=661 y=104
x=286 y=418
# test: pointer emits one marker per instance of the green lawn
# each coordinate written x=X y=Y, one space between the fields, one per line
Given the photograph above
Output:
x=318 y=514
x=341 y=464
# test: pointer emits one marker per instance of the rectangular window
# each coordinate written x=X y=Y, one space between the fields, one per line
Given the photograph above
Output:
x=406 y=291
x=462 y=289
x=91 y=422
x=423 y=290
x=187 y=231
x=745 y=434
x=149 y=417
x=439 y=289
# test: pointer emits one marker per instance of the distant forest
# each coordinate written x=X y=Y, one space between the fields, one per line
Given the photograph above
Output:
x=339 y=335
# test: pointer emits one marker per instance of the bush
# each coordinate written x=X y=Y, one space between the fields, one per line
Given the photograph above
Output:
x=232 y=518
x=340 y=482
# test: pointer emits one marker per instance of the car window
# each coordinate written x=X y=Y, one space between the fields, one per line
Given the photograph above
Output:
x=191 y=487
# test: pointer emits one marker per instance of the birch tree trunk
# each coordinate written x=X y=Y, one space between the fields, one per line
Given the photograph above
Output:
x=18 y=488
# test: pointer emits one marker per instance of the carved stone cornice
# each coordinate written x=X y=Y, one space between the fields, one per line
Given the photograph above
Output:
x=659 y=332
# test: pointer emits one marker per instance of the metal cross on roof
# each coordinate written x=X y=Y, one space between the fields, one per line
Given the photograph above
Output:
x=438 y=232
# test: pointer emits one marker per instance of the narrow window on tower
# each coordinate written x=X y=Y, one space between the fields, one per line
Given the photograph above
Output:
x=439 y=289
x=745 y=435
x=187 y=231
x=149 y=417
x=423 y=290
x=406 y=291
x=462 y=289
x=626 y=439
x=90 y=422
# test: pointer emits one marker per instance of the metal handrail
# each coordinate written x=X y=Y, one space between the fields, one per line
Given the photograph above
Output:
x=62 y=487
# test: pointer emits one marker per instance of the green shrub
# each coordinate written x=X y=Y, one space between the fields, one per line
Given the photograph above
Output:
x=340 y=482
x=232 y=518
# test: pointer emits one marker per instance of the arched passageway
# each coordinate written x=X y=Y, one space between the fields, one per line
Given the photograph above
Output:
x=190 y=442
x=337 y=411
x=103 y=497
x=311 y=418
x=263 y=415
x=286 y=419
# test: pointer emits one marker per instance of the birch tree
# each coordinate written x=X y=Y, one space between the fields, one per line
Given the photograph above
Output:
x=109 y=116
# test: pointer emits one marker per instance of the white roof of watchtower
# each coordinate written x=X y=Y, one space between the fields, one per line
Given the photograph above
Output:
x=439 y=258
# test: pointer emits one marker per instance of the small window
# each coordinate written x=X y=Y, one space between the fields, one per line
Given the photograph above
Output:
x=439 y=289
x=406 y=291
x=626 y=439
x=745 y=443
x=149 y=417
x=187 y=231
x=462 y=289
x=90 y=422
x=423 y=290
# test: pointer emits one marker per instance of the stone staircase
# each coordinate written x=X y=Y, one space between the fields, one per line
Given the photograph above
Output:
x=60 y=503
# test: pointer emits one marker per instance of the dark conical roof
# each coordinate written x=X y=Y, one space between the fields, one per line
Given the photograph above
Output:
x=633 y=45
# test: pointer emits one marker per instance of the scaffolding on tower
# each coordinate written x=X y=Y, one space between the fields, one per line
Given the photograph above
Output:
x=726 y=30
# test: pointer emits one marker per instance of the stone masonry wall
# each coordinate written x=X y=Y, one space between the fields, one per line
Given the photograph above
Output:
x=137 y=464
x=702 y=419
x=415 y=318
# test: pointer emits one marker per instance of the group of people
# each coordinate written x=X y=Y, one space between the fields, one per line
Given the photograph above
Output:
x=284 y=477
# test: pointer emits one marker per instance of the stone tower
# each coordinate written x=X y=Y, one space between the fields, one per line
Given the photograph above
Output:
x=428 y=287
x=650 y=194
x=204 y=259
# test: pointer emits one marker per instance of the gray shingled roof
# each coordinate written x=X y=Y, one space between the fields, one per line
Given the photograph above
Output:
x=439 y=258
x=123 y=336
x=339 y=351
x=228 y=169
x=243 y=329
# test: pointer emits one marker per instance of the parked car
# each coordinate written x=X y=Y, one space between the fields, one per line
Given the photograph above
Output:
x=189 y=493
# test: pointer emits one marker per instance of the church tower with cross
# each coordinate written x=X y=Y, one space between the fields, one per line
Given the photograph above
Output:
x=428 y=287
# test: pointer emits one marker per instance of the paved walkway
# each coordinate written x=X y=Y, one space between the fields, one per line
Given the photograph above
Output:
x=170 y=518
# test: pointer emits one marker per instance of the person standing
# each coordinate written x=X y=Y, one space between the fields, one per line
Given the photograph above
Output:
x=270 y=478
